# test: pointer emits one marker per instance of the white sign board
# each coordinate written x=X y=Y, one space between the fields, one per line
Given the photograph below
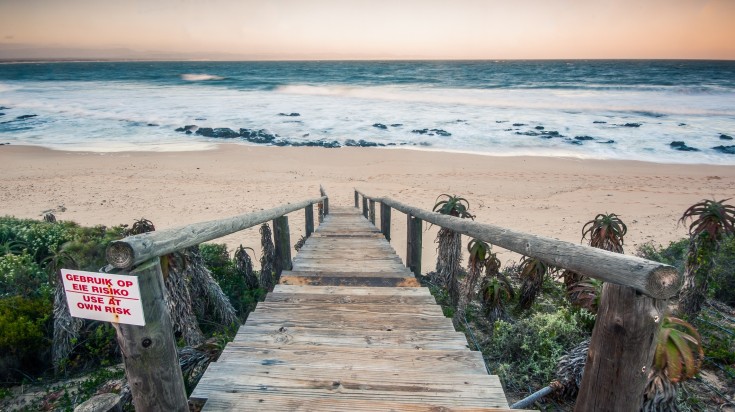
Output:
x=103 y=296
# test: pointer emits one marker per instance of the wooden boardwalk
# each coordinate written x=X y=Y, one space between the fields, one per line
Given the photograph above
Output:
x=349 y=329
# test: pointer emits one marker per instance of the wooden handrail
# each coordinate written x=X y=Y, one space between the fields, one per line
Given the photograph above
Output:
x=134 y=250
x=653 y=279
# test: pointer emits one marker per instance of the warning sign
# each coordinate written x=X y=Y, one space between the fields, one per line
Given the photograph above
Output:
x=103 y=296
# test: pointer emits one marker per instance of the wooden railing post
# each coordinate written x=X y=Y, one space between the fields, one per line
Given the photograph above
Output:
x=282 y=243
x=357 y=200
x=149 y=352
x=372 y=211
x=621 y=350
x=413 y=244
x=385 y=220
x=326 y=200
x=365 y=207
x=309 y=219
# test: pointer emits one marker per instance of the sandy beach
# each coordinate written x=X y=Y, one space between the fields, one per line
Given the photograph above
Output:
x=546 y=196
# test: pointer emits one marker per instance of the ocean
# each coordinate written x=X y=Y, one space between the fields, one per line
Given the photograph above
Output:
x=657 y=111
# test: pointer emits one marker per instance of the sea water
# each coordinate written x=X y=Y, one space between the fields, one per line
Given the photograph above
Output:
x=659 y=111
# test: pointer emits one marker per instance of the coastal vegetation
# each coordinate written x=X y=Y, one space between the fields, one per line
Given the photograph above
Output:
x=531 y=321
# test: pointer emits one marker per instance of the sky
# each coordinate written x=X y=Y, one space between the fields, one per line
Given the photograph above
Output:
x=368 y=29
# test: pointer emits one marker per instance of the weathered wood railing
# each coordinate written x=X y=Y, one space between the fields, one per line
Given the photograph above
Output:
x=632 y=305
x=149 y=351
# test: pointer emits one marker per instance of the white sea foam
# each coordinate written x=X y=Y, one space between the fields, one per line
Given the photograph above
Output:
x=192 y=77
x=113 y=116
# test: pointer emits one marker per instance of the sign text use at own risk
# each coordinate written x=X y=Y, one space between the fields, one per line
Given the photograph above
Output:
x=103 y=296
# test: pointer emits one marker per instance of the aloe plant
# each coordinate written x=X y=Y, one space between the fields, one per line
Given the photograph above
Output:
x=606 y=231
x=449 y=249
x=532 y=272
x=586 y=294
x=453 y=206
x=497 y=292
x=678 y=357
x=479 y=253
x=244 y=266
x=711 y=221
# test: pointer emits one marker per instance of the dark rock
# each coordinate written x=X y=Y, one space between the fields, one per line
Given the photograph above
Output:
x=305 y=135
x=584 y=138
x=258 y=136
x=725 y=137
x=572 y=141
x=25 y=116
x=721 y=149
x=225 y=133
x=682 y=124
x=501 y=121
x=431 y=132
x=608 y=142
x=391 y=144
x=396 y=125
x=332 y=145
x=4 y=108
x=364 y=143
x=219 y=132
x=508 y=130
x=151 y=124
x=200 y=119
x=282 y=143
x=681 y=146
x=599 y=122
x=290 y=114
x=188 y=128
x=380 y=126
x=2 y=114
x=539 y=128
x=545 y=134
x=519 y=124
x=631 y=125
x=205 y=131
x=351 y=143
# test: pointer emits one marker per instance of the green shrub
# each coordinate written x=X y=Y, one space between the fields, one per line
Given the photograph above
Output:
x=217 y=259
x=534 y=345
x=25 y=330
x=723 y=272
x=20 y=275
x=674 y=254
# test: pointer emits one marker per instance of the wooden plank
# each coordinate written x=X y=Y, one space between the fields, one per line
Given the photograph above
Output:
x=321 y=298
x=381 y=321
x=391 y=360
x=282 y=337
x=353 y=291
x=221 y=401
x=343 y=273
x=378 y=282
x=352 y=308
x=353 y=384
